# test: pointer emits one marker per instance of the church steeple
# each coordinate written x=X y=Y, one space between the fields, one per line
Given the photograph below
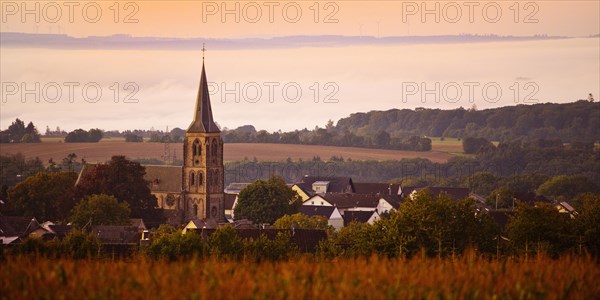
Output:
x=203 y=118
x=203 y=171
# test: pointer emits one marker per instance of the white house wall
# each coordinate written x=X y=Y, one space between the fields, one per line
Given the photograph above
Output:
x=384 y=206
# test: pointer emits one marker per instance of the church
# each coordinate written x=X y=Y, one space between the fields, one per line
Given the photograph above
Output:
x=194 y=191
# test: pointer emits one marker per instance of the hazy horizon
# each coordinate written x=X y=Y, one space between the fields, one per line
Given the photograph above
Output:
x=330 y=58
x=362 y=78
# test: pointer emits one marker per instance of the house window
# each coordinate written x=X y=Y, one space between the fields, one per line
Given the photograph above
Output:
x=321 y=202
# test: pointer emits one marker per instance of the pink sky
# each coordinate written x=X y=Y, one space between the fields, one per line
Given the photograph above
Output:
x=276 y=18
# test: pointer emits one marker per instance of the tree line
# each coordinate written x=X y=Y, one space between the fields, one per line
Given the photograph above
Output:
x=577 y=121
x=402 y=129
x=406 y=129
x=328 y=136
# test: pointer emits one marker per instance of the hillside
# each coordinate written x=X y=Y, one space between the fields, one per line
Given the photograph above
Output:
x=578 y=121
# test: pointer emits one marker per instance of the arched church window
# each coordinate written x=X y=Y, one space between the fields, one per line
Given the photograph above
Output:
x=192 y=181
x=207 y=151
x=214 y=150
x=197 y=151
x=200 y=178
x=215 y=147
x=195 y=212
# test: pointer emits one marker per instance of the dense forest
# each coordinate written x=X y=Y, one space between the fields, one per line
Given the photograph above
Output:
x=407 y=129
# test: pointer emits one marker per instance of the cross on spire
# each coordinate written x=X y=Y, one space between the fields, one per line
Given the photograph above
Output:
x=203 y=50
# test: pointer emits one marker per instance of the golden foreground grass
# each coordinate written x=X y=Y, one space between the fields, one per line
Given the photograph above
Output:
x=468 y=277
x=101 y=152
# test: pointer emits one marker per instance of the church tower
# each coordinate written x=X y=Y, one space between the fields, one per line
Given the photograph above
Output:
x=203 y=172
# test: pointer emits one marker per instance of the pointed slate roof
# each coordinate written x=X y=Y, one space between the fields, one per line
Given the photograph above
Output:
x=203 y=118
x=316 y=210
x=358 y=216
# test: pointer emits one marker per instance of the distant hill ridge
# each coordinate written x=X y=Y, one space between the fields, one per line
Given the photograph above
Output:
x=578 y=121
x=407 y=129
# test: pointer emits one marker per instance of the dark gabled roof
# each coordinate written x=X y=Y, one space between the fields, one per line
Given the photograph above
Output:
x=347 y=200
x=60 y=230
x=229 y=200
x=17 y=226
x=203 y=117
x=336 y=184
x=453 y=192
x=393 y=200
x=357 y=216
x=315 y=210
x=6 y=228
x=376 y=188
x=164 y=178
x=112 y=234
x=501 y=217
x=138 y=223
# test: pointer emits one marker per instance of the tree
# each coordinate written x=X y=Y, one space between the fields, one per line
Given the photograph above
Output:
x=69 y=161
x=588 y=222
x=382 y=139
x=540 y=227
x=567 y=187
x=46 y=196
x=100 y=210
x=95 y=135
x=501 y=197
x=473 y=145
x=169 y=243
x=439 y=225
x=482 y=183
x=301 y=221
x=266 y=201
x=82 y=136
x=18 y=133
x=225 y=242
x=78 y=245
x=15 y=168
x=122 y=179
x=133 y=138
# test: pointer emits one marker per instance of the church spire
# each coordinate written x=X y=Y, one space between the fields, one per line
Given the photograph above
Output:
x=203 y=118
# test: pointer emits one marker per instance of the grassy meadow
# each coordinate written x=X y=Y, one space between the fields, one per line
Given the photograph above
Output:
x=467 y=277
